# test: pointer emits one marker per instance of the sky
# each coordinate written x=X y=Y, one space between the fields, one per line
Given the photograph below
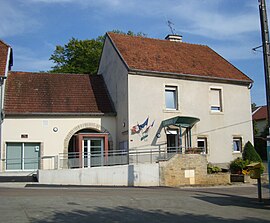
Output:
x=230 y=27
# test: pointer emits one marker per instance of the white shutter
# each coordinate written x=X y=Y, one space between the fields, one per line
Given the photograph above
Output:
x=215 y=97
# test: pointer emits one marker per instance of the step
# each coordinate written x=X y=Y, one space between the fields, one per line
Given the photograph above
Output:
x=18 y=176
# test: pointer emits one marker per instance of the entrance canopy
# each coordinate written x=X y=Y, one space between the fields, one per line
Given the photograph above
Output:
x=181 y=121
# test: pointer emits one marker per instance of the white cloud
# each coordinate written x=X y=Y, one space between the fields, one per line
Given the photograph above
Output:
x=13 y=20
x=210 y=20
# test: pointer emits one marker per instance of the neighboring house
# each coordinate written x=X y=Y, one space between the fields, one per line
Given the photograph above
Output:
x=191 y=96
x=259 y=115
x=150 y=97
x=6 y=62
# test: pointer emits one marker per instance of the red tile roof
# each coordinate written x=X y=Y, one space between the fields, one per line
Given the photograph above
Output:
x=165 y=56
x=3 y=57
x=28 y=93
x=260 y=113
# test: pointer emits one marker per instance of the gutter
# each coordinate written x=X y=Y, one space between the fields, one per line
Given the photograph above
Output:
x=190 y=77
x=27 y=114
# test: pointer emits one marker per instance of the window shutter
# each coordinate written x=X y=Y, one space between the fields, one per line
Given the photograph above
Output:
x=215 y=98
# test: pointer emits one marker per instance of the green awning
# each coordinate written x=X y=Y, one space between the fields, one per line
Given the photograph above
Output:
x=183 y=121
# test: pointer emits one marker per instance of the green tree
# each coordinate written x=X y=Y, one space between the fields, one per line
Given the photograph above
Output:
x=81 y=56
x=77 y=56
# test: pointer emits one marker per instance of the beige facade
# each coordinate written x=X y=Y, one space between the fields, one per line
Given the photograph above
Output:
x=141 y=95
x=115 y=76
x=52 y=133
x=147 y=95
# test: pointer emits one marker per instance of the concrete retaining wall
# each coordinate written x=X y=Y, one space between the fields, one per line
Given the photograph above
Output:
x=189 y=169
x=124 y=175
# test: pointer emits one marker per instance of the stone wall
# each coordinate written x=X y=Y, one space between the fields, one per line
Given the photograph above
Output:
x=189 y=169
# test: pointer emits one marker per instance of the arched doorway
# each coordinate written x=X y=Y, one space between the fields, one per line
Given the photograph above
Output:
x=87 y=147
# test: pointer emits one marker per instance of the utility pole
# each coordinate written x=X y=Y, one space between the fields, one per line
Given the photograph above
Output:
x=266 y=59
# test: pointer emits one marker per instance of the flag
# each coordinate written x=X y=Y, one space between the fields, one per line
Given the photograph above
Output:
x=144 y=137
x=144 y=124
x=146 y=130
x=148 y=127
x=135 y=129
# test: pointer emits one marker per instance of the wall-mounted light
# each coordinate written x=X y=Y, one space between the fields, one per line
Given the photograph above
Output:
x=55 y=129
x=158 y=135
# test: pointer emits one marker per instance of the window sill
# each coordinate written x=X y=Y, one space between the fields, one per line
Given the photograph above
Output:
x=170 y=111
x=216 y=112
x=236 y=152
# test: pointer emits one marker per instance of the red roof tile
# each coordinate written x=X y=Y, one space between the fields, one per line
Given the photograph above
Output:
x=165 y=56
x=260 y=113
x=56 y=93
x=3 y=57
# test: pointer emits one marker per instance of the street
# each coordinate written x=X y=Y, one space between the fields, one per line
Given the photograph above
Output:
x=41 y=204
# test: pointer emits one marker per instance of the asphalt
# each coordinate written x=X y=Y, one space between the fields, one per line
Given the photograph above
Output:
x=33 y=202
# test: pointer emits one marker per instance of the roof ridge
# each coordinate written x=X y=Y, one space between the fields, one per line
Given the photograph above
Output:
x=157 y=39
x=35 y=72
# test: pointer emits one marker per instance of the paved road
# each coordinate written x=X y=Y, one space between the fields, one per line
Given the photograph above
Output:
x=104 y=204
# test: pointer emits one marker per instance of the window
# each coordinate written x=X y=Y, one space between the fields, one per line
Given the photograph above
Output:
x=171 y=97
x=22 y=156
x=202 y=144
x=237 y=144
x=216 y=100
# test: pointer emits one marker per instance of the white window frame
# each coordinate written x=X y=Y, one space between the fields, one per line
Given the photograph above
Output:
x=203 y=139
x=173 y=89
x=216 y=108
x=237 y=139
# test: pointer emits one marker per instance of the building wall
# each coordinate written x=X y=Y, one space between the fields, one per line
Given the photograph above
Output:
x=40 y=130
x=147 y=99
x=115 y=76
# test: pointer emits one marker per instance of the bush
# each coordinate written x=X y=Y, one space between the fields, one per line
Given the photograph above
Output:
x=212 y=169
x=250 y=153
x=237 y=165
x=251 y=156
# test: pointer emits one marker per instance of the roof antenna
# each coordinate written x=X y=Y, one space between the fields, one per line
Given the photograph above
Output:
x=170 y=24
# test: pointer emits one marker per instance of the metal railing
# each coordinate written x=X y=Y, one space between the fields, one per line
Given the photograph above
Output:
x=94 y=159
x=120 y=157
x=17 y=164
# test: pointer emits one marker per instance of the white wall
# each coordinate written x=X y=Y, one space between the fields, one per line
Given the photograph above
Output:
x=147 y=98
x=41 y=130
x=115 y=75
x=124 y=175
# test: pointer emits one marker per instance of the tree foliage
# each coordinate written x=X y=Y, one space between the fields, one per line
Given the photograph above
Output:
x=81 y=56
x=77 y=56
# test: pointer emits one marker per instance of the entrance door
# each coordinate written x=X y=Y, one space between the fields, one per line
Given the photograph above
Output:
x=93 y=152
x=172 y=141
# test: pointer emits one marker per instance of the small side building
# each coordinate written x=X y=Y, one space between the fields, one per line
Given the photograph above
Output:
x=52 y=119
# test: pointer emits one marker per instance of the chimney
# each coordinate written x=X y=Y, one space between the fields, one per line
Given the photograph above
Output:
x=174 y=37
